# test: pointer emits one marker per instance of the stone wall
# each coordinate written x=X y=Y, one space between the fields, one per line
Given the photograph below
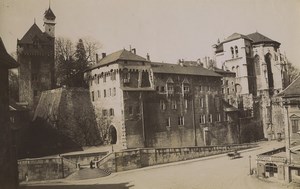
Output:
x=85 y=159
x=45 y=169
x=138 y=158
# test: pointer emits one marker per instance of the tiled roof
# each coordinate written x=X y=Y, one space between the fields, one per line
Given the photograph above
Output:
x=6 y=60
x=293 y=90
x=119 y=55
x=32 y=33
x=259 y=38
x=184 y=70
x=49 y=14
x=229 y=108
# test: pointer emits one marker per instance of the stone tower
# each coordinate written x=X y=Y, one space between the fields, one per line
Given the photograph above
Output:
x=36 y=57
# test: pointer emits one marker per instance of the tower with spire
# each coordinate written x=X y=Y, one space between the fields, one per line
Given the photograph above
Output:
x=35 y=52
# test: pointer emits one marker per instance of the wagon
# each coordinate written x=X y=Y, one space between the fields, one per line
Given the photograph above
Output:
x=233 y=155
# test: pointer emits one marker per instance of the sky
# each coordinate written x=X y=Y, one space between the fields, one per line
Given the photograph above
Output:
x=166 y=29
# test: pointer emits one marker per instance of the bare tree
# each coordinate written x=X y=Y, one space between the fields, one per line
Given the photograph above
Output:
x=91 y=46
x=292 y=72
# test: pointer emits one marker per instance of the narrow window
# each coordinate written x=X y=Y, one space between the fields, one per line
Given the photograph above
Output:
x=114 y=91
x=104 y=78
x=104 y=112
x=186 y=88
x=168 y=121
x=232 y=52
x=201 y=102
x=174 y=104
x=104 y=93
x=236 y=51
x=210 y=118
x=180 y=120
x=162 y=105
x=162 y=89
x=170 y=89
x=98 y=92
x=111 y=112
x=202 y=119
x=93 y=97
x=218 y=117
x=185 y=103
x=109 y=91
x=98 y=80
x=295 y=126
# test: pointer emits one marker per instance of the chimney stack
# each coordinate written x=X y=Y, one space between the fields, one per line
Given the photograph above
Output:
x=148 y=57
x=103 y=55
x=134 y=51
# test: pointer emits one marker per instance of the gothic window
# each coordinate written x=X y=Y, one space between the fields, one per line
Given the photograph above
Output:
x=210 y=118
x=257 y=64
x=236 y=51
x=202 y=119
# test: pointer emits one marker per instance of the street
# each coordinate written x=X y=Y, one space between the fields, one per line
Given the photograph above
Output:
x=207 y=173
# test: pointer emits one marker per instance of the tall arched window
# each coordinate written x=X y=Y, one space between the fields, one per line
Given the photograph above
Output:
x=232 y=52
x=237 y=71
x=236 y=51
x=257 y=64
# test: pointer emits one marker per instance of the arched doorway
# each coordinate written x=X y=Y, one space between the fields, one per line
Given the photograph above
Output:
x=112 y=135
x=271 y=169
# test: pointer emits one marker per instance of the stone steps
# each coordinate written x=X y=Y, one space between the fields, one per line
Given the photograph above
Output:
x=88 y=173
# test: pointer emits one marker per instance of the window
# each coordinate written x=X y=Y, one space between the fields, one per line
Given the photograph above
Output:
x=228 y=90
x=113 y=76
x=104 y=112
x=162 y=89
x=200 y=88
x=162 y=105
x=210 y=118
x=104 y=93
x=168 y=122
x=180 y=120
x=236 y=51
x=109 y=91
x=186 y=89
x=227 y=117
x=170 y=89
x=114 y=91
x=104 y=78
x=111 y=112
x=201 y=102
x=208 y=88
x=202 y=118
x=295 y=127
x=218 y=117
x=35 y=93
x=126 y=77
x=232 y=52
x=91 y=82
x=93 y=97
x=130 y=110
x=237 y=71
x=98 y=92
x=98 y=80
x=174 y=104
x=157 y=88
x=185 y=103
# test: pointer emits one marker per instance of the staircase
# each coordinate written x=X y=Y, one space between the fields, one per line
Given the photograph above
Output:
x=88 y=173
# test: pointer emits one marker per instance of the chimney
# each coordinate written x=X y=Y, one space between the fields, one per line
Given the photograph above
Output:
x=103 y=55
x=134 y=51
x=148 y=57
x=97 y=58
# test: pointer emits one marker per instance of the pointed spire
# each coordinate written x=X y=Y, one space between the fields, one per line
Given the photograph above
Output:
x=34 y=20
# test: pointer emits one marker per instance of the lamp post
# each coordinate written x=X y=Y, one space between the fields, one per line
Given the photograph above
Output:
x=250 y=171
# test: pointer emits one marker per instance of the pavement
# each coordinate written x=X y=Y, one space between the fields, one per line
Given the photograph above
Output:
x=209 y=172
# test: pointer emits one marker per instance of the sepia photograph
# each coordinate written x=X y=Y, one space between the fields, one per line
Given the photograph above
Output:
x=160 y=94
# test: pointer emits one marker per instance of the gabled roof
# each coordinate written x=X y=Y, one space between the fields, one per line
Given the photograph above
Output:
x=6 y=60
x=183 y=70
x=259 y=38
x=49 y=14
x=293 y=90
x=119 y=55
x=33 y=33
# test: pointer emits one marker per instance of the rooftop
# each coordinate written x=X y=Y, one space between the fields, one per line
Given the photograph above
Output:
x=293 y=90
x=259 y=38
x=49 y=14
x=184 y=70
x=119 y=55
x=32 y=34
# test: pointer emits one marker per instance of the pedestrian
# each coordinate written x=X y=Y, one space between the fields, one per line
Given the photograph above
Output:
x=91 y=164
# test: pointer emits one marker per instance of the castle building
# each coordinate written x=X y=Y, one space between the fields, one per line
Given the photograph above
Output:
x=36 y=57
x=260 y=71
x=139 y=103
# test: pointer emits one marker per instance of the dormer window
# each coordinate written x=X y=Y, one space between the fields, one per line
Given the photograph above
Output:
x=186 y=89
x=170 y=88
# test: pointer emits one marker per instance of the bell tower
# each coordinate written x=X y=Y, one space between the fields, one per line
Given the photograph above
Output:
x=49 y=22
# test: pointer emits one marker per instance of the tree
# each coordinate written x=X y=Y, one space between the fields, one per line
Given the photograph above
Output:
x=292 y=72
x=13 y=79
x=71 y=61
